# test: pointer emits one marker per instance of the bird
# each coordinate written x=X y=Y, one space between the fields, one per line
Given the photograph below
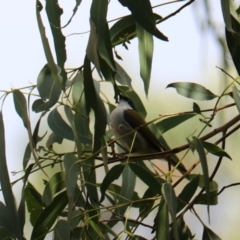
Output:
x=133 y=133
x=131 y=130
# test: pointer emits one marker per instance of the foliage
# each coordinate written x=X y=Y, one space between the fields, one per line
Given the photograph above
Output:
x=75 y=203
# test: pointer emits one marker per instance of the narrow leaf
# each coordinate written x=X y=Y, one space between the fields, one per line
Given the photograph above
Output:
x=59 y=126
x=49 y=216
x=122 y=76
x=72 y=171
x=187 y=193
x=162 y=222
x=203 y=159
x=113 y=174
x=215 y=150
x=171 y=200
x=6 y=185
x=47 y=50
x=142 y=12
x=171 y=122
x=226 y=14
x=193 y=90
x=208 y=234
x=53 y=186
x=54 y=12
x=145 y=49
x=61 y=230
x=236 y=97
x=146 y=177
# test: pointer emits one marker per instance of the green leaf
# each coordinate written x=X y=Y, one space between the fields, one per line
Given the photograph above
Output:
x=5 y=221
x=54 y=13
x=171 y=122
x=122 y=77
x=98 y=14
x=21 y=107
x=145 y=49
x=33 y=201
x=193 y=90
x=53 y=186
x=55 y=70
x=48 y=216
x=213 y=191
x=72 y=170
x=48 y=90
x=53 y=138
x=226 y=14
x=203 y=159
x=61 y=230
x=215 y=150
x=146 y=177
x=59 y=126
x=208 y=234
x=187 y=193
x=236 y=97
x=146 y=206
x=6 y=186
x=27 y=155
x=113 y=174
x=94 y=102
x=142 y=12
x=171 y=200
x=162 y=222
x=127 y=189
x=196 y=108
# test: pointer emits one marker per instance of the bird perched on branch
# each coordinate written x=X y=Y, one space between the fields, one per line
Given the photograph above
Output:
x=132 y=132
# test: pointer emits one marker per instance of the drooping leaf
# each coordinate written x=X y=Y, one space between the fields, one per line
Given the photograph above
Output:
x=215 y=150
x=20 y=104
x=200 y=149
x=146 y=206
x=33 y=201
x=94 y=102
x=53 y=138
x=98 y=14
x=196 y=108
x=171 y=122
x=236 y=97
x=54 y=12
x=27 y=155
x=6 y=186
x=61 y=230
x=55 y=70
x=48 y=216
x=213 y=191
x=127 y=189
x=72 y=171
x=145 y=49
x=192 y=90
x=171 y=200
x=113 y=174
x=142 y=12
x=59 y=126
x=146 y=177
x=162 y=222
x=5 y=222
x=48 y=89
x=233 y=40
x=187 y=193
x=122 y=77
x=208 y=234
x=53 y=186
x=226 y=14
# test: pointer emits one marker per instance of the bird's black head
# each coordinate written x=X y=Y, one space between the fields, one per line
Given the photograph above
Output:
x=128 y=100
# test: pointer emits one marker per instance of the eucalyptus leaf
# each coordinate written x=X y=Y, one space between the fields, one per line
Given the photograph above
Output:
x=192 y=90
x=236 y=97
x=59 y=126
x=122 y=77
x=146 y=177
x=54 y=12
x=48 y=216
x=61 y=230
x=113 y=174
x=208 y=234
x=55 y=184
x=215 y=150
x=145 y=49
x=171 y=122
